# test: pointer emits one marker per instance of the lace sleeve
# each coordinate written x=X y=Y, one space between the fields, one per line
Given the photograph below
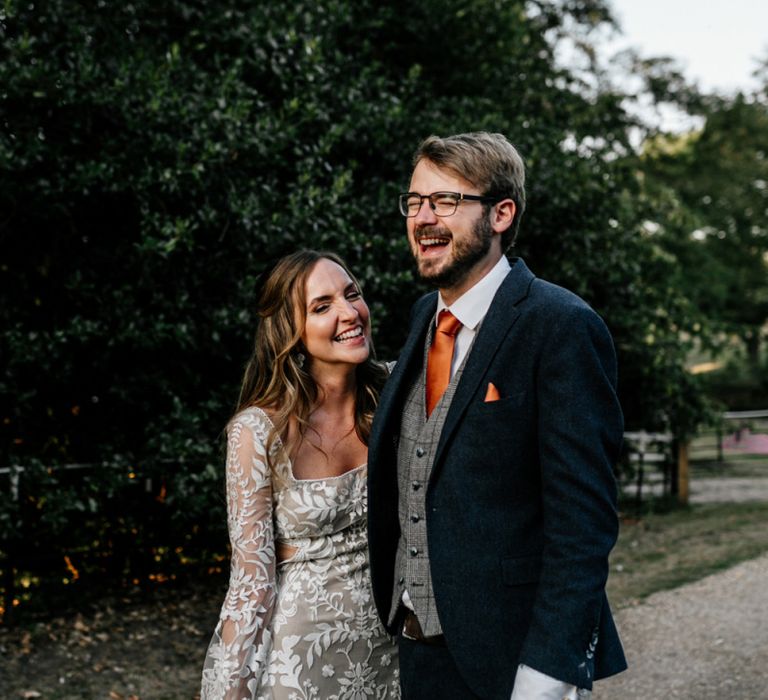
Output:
x=240 y=644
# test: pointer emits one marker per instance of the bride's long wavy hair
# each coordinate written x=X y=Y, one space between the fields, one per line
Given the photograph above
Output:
x=275 y=378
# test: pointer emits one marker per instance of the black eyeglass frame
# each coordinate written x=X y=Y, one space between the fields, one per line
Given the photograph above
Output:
x=459 y=196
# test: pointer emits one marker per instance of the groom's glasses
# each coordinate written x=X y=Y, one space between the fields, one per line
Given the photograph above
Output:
x=442 y=203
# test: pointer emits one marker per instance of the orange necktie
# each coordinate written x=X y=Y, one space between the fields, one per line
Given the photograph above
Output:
x=439 y=358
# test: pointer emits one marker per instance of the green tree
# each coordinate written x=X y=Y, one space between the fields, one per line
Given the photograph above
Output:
x=715 y=182
x=156 y=155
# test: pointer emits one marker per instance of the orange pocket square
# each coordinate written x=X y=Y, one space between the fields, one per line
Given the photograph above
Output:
x=492 y=394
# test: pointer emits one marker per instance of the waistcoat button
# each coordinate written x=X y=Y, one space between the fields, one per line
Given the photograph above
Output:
x=420 y=452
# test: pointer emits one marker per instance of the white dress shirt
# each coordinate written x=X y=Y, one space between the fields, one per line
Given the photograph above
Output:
x=470 y=308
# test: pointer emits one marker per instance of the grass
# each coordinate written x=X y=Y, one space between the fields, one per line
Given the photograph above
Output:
x=661 y=551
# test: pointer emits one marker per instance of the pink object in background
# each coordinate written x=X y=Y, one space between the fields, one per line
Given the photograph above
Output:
x=745 y=441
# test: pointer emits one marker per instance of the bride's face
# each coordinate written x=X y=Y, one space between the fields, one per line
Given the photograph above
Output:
x=337 y=327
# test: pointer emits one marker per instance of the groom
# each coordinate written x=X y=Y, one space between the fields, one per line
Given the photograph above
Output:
x=491 y=490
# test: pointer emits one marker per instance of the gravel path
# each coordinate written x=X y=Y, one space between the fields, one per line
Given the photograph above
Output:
x=704 y=641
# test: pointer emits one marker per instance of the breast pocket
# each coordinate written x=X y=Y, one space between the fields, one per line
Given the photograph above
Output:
x=496 y=429
x=511 y=403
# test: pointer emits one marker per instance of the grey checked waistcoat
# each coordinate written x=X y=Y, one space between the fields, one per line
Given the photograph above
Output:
x=415 y=455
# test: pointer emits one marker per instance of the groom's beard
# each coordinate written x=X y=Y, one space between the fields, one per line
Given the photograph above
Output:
x=467 y=251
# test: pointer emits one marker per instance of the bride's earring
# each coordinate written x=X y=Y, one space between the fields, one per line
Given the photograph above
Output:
x=300 y=359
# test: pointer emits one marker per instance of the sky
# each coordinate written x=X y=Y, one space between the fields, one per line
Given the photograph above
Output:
x=714 y=40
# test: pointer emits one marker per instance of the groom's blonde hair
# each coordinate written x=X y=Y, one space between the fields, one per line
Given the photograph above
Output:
x=487 y=160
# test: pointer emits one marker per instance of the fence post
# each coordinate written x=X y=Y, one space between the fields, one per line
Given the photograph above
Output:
x=719 y=443
x=682 y=472
x=639 y=495
x=672 y=465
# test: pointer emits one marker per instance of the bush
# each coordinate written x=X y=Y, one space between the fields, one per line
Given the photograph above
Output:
x=155 y=156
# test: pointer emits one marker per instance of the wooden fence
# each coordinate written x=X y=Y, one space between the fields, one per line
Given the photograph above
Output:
x=660 y=464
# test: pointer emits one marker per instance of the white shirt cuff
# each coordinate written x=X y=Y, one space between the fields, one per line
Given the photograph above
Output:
x=531 y=684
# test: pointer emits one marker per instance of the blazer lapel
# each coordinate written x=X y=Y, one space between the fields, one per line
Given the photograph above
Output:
x=495 y=327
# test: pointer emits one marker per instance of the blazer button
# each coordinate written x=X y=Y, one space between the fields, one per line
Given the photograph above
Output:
x=420 y=452
x=414 y=552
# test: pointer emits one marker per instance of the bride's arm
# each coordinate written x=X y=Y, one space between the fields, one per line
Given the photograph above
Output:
x=238 y=650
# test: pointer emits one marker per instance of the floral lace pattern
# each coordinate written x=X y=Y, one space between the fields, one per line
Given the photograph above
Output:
x=306 y=628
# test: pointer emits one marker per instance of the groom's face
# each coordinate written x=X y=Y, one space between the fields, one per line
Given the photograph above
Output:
x=448 y=250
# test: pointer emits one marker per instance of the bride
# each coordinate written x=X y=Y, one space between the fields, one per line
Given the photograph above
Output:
x=298 y=621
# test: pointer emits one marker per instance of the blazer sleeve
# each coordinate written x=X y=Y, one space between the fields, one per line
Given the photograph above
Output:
x=580 y=429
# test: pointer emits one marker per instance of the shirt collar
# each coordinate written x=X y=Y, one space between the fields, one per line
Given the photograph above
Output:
x=470 y=308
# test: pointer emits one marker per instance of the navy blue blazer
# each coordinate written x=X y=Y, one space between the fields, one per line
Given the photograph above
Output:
x=521 y=502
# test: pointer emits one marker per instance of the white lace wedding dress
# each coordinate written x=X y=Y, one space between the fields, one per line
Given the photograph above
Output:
x=305 y=628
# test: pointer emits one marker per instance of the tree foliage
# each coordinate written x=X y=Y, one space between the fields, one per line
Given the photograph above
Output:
x=716 y=182
x=156 y=155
